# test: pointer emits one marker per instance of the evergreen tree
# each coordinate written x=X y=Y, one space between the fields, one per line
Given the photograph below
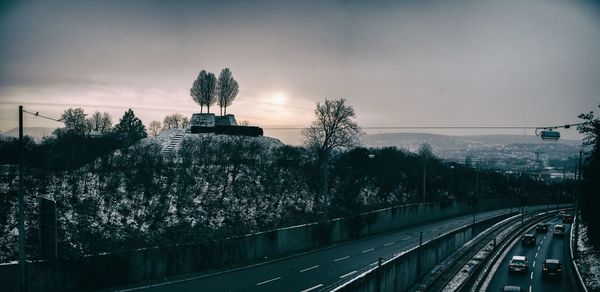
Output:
x=130 y=128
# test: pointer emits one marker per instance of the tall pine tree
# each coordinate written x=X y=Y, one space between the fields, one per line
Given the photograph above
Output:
x=130 y=128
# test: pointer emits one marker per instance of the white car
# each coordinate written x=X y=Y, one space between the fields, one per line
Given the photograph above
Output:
x=518 y=264
x=559 y=230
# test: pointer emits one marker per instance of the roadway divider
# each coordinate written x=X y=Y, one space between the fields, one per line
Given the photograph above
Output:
x=403 y=270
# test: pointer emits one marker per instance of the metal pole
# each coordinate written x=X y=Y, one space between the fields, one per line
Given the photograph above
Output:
x=424 y=177
x=22 y=276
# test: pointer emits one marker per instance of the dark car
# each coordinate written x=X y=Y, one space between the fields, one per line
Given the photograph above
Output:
x=518 y=264
x=528 y=239
x=511 y=289
x=559 y=230
x=551 y=268
x=567 y=218
x=541 y=227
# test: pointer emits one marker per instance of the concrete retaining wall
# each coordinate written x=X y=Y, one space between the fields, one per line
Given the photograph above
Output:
x=402 y=272
x=117 y=269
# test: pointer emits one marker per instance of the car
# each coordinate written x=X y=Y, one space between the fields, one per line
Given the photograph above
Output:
x=541 y=227
x=528 y=239
x=567 y=218
x=559 y=230
x=518 y=264
x=551 y=268
x=510 y=288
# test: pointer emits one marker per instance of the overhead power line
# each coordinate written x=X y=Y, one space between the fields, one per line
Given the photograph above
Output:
x=437 y=127
x=37 y=114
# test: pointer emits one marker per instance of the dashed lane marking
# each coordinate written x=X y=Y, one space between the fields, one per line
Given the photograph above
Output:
x=312 y=288
x=268 y=281
x=531 y=276
x=367 y=250
x=533 y=264
x=389 y=243
x=406 y=238
x=346 y=275
x=536 y=254
x=341 y=259
x=308 y=269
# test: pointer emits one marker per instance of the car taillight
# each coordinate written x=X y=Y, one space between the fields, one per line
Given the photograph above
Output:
x=559 y=270
x=545 y=269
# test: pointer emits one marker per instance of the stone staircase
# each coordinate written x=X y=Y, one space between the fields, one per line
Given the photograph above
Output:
x=174 y=143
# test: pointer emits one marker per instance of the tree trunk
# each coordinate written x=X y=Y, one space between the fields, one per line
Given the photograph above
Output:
x=225 y=110
x=325 y=183
x=201 y=108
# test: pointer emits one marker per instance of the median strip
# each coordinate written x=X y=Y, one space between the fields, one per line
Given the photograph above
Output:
x=346 y=275
x=308 y=269
x=341 y=259
x=268 y=281
x=312 y=288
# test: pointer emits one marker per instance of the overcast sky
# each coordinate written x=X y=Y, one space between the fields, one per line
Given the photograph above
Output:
x=414 y=63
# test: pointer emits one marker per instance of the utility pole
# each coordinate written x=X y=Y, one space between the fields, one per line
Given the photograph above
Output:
x=22 y=276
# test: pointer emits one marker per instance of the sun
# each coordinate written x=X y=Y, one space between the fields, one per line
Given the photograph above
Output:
x=279 y=98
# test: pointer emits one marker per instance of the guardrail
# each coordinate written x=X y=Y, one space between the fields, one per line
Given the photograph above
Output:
x=573 y=241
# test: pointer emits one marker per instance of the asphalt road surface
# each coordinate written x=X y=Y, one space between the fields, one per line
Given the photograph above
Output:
x=317 y=269
x=547 y=247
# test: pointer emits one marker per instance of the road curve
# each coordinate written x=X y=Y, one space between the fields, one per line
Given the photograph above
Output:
x=313 y=270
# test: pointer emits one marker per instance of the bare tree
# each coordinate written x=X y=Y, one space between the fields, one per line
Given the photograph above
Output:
x=175 y=121
x=334 y=127
x=75 y=121
x=105 y=123
x=154 y=127
x=204 y=90
x=94 y=121
x=227 y=89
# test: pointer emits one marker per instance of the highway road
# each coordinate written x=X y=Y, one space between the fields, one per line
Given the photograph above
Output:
x=546 y=247
x=314 y=270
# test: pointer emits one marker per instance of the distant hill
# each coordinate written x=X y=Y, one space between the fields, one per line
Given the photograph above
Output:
x=502 y=151
x=37 y=133
x=412 y=141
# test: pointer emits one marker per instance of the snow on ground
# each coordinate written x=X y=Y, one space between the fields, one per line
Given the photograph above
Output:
x=588 y=260
x=166 y=136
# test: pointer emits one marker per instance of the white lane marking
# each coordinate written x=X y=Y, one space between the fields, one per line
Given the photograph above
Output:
x=542 y=242
x=389 y=243
x=367 y=250
x=533 y=264
x=531 y=275
x=539 y=247
x=268 y=281
x=372 y=264
x=536 y=254
x=529 y=288
x=406 y=238
x=308 y=269
x=346 y=275
x=341 y=259
x=312 y=288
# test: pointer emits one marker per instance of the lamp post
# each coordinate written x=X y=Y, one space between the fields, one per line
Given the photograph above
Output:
x=424 y=178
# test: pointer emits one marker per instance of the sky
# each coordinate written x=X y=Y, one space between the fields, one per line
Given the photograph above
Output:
x=398 y=63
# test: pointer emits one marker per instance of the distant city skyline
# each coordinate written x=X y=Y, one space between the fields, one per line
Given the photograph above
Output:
x=414 y=63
